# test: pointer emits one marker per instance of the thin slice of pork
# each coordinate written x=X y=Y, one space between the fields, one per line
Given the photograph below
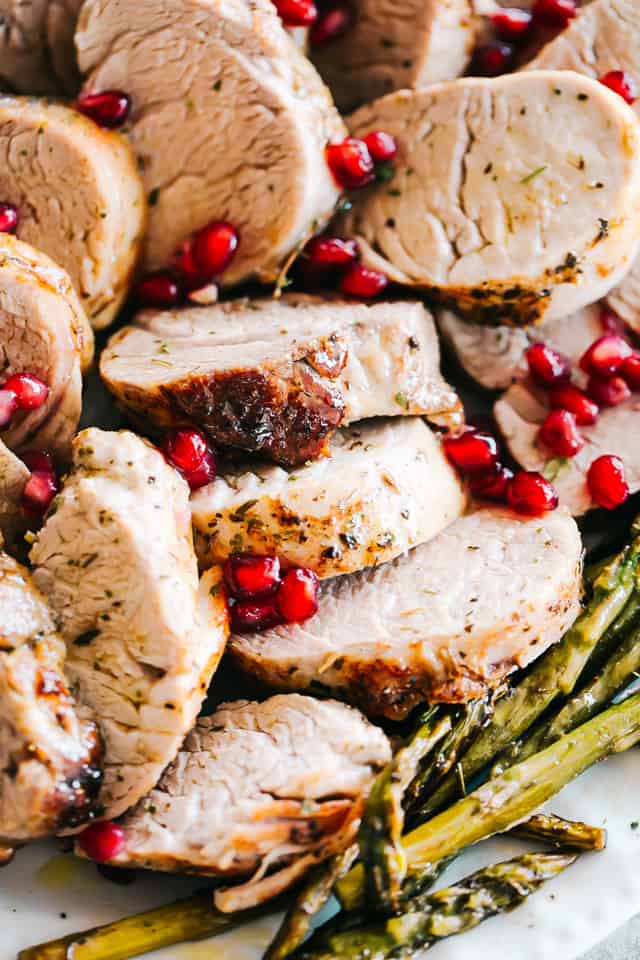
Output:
x=115 y=560
x=385 y=488
x=277 y=377
x=513 y=198
x=444 y=623
x=13 y=477
x=37 y=55
x=259 y=790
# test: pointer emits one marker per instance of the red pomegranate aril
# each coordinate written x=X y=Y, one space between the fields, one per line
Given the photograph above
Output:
x=630 y=371
x=531 y=495
x=31 y=392
x=566 y=396
x=251 y=616
x=8 y=218
x=493 y=484
x=8 y=406
x=560 y=434
x=382 y=146
x=605 y=355
x=203 y=474
x=554 y=13
x=184 y=264
x=39 y=491
x=350 y=163
x=546 y=365
x=102 y=841
x=361 y=281
x=296 y=13
x=331 y=24
x=472 y=452
x=297 y=598
x=214 y=247
x=512 y=23
x=38 y=461
x=158 y=289
x=607 y=482
x=109 y=108
x=251 y=577
x=492 y=59
x=609 y=392
x=187 y=449
x=621 y=83
x=331 y=252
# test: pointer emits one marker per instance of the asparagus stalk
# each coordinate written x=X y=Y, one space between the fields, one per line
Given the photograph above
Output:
x=570 y=834
x=450 y=911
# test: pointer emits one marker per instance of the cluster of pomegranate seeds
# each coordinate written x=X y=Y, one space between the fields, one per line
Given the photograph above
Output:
x=42 y=485
x=102 y=841
x=296 y=13
x=21 y=391
x=607 y=482
x=188 y=451
x=514 y=28
x=264 y=597
x=8 y=218
x=109 y=108
x=622 y=84
x=530 y=494
x=336 y=259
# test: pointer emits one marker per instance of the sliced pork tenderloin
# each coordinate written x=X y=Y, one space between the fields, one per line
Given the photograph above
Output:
x=392 y=46
x=501 y=205
x=37 y=55
x=43 y=331
x=494 y=356
x=245 y=114
x=13 y=477
x=115 y=560
x=78 y=194
x=277 y=377
x=259 y=790
x=49 y=751
x=385 y=487
x=445 y=622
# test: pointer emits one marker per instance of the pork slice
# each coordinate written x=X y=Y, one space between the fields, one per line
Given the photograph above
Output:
x=44 y=331
x=79 y=197
x=445 y=622
x=385 y=487
x=396 y=46
x=13 y=477
x=37 y=55
x=115 y=560
x=229 y=122
x=494 y=356
x=49 y=751
x=513 y=198
x=279 y=376
x=257 y=789
x=604 y=36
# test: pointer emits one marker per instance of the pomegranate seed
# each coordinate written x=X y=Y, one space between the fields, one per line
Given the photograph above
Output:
x=8 y=218
x=110 y=108
x=492 y=59
x=38 y=461
x=566 y=396
x=512 y=23
x=547 y=365
x=187 y=449
x=296 y=13
x=252 y=577
x=158 y=289
x=531 y=495
x=382 y=146
x=472 y=452
x=31 y=392
x=250 y=616
x=214 y=247
x=331 y=24
x=605 y=355
x=493 y=484
x=8 y=406
x=560 y=433
x=185 y=265
x=297 y=598
x=350 y=163
x=554 y=13
x=607 y=482
x=360 y=281
x=39 y=491
x=204 y=474
x=630 y=371
x=331 y=251
x=610 y=321
x=102 y=841
x=609 y=392
x=622 y=84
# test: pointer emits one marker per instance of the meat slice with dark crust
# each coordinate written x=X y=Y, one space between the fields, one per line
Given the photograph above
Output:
x=445 y=622
x=279 y=376
x=37 y=55
x=491 y=207
x=49 y=750
x=261 y=791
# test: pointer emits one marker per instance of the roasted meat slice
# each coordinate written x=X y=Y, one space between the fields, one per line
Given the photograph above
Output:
x=37 y=55
x=13 y=477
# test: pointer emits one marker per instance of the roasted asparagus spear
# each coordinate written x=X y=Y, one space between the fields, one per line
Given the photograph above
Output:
x=570 y=834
